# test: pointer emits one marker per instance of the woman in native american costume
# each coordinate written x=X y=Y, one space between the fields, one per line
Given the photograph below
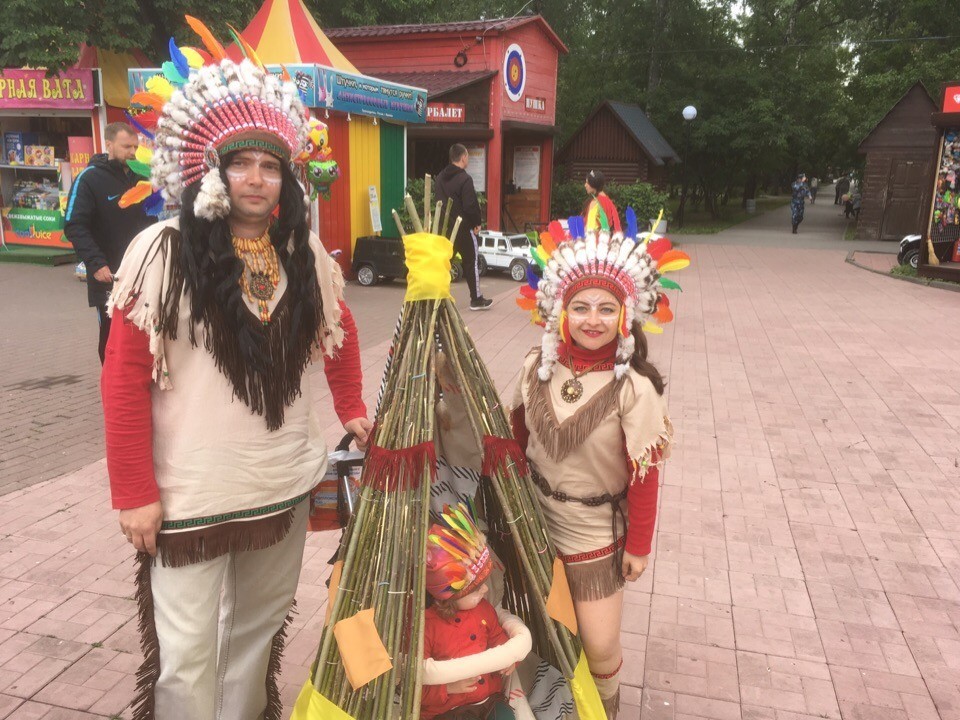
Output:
x=590 y=412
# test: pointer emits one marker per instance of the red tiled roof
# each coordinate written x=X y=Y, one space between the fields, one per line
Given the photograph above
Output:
x=440 y=81
x=470 y=27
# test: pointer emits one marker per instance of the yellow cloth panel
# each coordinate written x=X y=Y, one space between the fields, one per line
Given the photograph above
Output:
x=364 y=172
x=427 y=257
x=311 y=705
x=585 y=695
x=277 y=44
x=113 y=69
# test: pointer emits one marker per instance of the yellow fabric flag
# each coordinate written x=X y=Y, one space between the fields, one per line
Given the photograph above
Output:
x=427 y=257
x=585 y=694
x=311 y=705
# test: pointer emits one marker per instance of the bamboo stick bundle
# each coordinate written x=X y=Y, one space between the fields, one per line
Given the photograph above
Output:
x=384 y=547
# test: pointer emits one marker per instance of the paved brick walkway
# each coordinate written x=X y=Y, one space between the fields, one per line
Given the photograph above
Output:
x=807 y=561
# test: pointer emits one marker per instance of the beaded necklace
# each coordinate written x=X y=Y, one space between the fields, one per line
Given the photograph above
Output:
x=262 y=273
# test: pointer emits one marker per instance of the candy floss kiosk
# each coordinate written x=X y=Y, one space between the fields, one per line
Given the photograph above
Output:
x=50 y=126
x=940 y=252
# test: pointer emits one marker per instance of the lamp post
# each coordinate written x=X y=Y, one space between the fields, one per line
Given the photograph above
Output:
x=689 y=115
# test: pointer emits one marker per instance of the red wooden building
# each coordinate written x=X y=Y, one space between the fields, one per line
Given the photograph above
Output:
x=492 y=85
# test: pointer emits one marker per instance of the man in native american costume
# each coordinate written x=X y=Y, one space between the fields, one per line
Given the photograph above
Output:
x=213 y=443
x=591 y=415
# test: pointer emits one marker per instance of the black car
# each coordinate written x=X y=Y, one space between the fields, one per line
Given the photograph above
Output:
x=380 y=258
x=909 y=251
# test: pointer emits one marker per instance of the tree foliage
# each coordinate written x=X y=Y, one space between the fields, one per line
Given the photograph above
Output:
x=780 y=85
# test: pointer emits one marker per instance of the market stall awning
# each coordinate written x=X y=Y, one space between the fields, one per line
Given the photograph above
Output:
x=113 y=70
x=284 y=32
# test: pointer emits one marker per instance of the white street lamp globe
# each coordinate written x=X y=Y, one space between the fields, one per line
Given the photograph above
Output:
x=689 y=113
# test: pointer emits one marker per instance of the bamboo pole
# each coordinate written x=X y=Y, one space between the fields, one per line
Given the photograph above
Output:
x=427 y=199
x=396 y=219
x=412 y=212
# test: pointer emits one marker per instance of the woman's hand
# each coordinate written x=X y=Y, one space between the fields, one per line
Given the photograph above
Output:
x=361 y=428
x=633 y=566
x=141 y=525
x=463 y=687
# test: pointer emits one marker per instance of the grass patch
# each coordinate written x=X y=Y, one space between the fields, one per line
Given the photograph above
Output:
x=697 y=220
x=910 y=272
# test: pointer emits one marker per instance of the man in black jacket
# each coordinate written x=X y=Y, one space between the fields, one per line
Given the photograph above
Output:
x=455 y=184
x=96 y=226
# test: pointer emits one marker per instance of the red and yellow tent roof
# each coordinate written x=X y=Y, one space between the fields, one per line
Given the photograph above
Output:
x=280 y=21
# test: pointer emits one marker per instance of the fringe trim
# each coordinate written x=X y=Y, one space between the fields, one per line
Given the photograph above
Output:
x=655 y=455
x=274 y=710
x=392 y=470
x=560 y=439
x=180 y=549
x=149 y=671
x=611 y=705
x=499 y=454
x=595 y=580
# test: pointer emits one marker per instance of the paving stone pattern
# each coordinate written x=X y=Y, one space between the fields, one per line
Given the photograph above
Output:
x=807 y=558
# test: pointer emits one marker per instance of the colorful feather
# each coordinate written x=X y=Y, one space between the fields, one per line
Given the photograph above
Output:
x=147 y=119
x=526 y=303
x=528 y=291
x=194 y=59
x=652 y=328
x=171 y=73
x=139 y=168
x=144 y=155
x=159 y=85
x=672 y=261
x=154 y=204
x=178 y=59
x=211 y=43
x=631 y=217
x=656 y=248
x=532 y=277
x=555 y=228
x=669 y=284
x=663 y=314
x=137 y=194
x=140 y=128
x=151 y=100
x=246 y=48
x=547 y=243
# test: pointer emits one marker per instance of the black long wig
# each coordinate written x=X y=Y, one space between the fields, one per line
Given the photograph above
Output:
x=264 y=362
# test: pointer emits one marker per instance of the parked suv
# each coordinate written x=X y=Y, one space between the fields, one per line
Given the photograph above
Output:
x=503 y=252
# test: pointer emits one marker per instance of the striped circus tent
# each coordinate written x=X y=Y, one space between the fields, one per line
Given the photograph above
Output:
x=370 y=153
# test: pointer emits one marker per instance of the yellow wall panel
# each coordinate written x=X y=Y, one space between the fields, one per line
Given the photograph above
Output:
x=364 y=172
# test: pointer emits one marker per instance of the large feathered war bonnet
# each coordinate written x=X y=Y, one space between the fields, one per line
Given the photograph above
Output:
x=631 y=266
x=202 y=107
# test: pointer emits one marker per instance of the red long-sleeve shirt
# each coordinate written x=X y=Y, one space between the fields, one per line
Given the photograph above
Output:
x=128 y=425
x=467 y=633
x=641 y=494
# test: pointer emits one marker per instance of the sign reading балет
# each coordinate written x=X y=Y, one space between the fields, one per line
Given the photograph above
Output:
x=32 y=89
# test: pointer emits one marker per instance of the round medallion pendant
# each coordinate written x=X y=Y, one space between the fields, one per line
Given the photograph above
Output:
x=571 y=390
x=261 y=286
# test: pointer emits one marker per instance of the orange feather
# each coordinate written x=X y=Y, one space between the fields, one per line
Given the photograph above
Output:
x=547 y=243
x=137 y=194
x=150 y=100
x=209 y=41
x=526 y=303
x=247 y=48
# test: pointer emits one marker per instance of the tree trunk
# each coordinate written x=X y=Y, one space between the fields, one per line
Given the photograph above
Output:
x=749 y=189
x=654 y=71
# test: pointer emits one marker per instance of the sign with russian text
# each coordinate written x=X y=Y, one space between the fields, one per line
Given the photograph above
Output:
x=446 y=112
x=33 y=90
x=79 y=152
x=536 y=104
x=951 y=99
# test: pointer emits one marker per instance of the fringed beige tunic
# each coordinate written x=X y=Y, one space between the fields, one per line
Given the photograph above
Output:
x=589 y=449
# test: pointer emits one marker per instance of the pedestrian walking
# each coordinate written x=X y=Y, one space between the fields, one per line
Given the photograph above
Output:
x=800 y=193
x=97 y=227
x=455 y=184
x=842 y=188
x=213 y=440
x=598 y=200
x=814 y=187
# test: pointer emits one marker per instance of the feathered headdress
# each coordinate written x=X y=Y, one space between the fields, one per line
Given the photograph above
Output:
x=202 y=107
x=628 y=266
x=458 y=559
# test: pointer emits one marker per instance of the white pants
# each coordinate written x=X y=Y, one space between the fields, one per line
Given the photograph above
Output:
x=216 y=622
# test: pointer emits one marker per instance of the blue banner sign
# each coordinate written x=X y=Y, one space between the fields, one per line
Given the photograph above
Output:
x=331 y=89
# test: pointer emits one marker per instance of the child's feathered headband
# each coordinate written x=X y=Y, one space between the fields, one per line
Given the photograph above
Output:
x=628 y=266
x=458 y=559
x=202 y=107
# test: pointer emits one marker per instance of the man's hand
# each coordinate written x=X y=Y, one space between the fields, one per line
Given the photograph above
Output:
x=360 y=427
x=103 y=275
x=462 y=687
x=141 y=526
x=633 y=566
